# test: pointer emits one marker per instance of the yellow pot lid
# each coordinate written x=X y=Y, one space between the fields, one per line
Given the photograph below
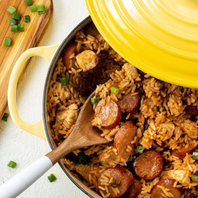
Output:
x=160 y=37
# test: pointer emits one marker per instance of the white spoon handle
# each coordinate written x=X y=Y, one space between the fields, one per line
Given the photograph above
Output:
x=25 y=178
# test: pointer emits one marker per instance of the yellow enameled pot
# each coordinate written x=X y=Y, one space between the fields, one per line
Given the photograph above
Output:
x=42 y=127
x=160 y=37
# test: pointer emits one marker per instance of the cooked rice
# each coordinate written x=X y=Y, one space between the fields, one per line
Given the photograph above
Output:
x=162 y=107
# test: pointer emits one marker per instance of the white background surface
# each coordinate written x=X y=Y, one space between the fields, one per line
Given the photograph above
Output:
x=22 y=147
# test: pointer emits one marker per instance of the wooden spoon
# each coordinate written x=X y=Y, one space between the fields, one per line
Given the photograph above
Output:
x=83 y=134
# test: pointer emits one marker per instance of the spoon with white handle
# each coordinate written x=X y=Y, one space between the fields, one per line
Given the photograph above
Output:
x=83 y=134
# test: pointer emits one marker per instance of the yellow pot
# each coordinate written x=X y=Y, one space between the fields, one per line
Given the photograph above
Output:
x=160 y=37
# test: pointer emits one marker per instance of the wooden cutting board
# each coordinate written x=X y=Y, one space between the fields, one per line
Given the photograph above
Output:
x=21 y=41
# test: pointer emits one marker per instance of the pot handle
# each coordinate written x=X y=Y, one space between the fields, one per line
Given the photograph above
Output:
x=45 y=52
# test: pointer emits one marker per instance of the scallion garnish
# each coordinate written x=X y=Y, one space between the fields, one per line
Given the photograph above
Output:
x=95 y=100
x=130 y=158
x=115 y=90
x=146 y=126
x=14 y=28
x=6 y=115
x=195 y=178
x=11 y=164
x=11 y=9
x=163 y=107
x=7 y=42
x=64 y=81
x=51 y=177
x=28 y=2
x=26 y=18
x=21 y=27
x=33 y=8
x=83 y=159
x=16 y=15
x=140 y=149
x=41 y=9
x=13 y=22
x=195 y=155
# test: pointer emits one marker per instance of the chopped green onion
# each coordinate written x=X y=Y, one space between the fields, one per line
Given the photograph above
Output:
x=7 y=42
x=14 y=28
x=130 y=158
x=140 y=149
x=115 y=90
x=41 y=9
x=11 y=164
x=63 y=81
x=146 y=126
x=51 y=177
x=195 y=155
x=5 y=115
x=33 y=8
x=195 y=178
x=26 y=18
x=83 y=159
x=163 y=107
x=95 y=100
x=16 y=15
x=11 y=9
x=13 y=22
x=76 y=160
x=28 y=2
x=21 y=27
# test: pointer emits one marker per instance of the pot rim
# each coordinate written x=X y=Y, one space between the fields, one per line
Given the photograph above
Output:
x=51 y=66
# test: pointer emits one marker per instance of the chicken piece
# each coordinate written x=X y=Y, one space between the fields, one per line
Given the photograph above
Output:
x=87 y=60
x=131 y=70
x=67 y=117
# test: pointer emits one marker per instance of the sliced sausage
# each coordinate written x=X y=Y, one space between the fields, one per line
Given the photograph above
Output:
x=182 y=152
x=167 y=183
x=87 y=60
x=148 y=165
x=129 y=103
x=134 y=190
x=110 y=113
x=191 y=110
x=123 y=138
x=117 y=181
x=69 y=50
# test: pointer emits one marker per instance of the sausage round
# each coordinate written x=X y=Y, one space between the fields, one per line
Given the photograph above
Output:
x=134 y=190
x=123 y=138
x=148 y=165
x=69 y=50
x=182 y=152
x=167 y=183
x=191 y=110
x=129 y=103
x=115 y=178
x=110 y=113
